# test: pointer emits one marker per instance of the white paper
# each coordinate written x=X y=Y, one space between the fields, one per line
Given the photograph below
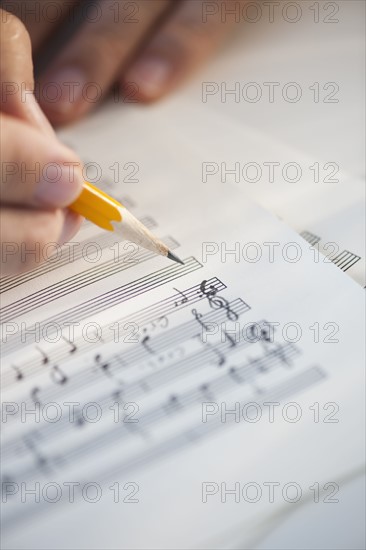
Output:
x=186 y=355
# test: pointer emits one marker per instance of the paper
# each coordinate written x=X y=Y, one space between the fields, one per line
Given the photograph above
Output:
x=163 y=390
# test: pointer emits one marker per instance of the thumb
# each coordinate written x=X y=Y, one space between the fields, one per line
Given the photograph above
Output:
x=16 y=74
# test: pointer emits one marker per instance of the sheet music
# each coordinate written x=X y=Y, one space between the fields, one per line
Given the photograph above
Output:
x=132 y=365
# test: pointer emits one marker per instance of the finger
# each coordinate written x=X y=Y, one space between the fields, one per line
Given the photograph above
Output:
x=27 y=234
x=87 y=67
x=183 y=43
x=16 y=74
x=35 y=170
x=41 y=18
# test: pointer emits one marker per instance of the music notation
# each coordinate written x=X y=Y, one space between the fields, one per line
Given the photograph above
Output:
x=18 y=372
x=153 y=317
x=74 y=283
x=344 y=260
x=183 y=299
x=216 y=301
x=168 y=339
x=246 y=372
x=143 y=354
x=310 y=237
x=105 y=301
x=183 y=403
x=73 y=347
x=45 y=358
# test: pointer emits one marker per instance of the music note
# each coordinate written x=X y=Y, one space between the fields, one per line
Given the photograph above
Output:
x=117 y=395
x=219 y=354
x=145 y=341
x=235 y=375
x=102 y=365
x=19 y=375
x=40 y=459
x=173 y=404
x=231 y=339
x=58 y=376
x=79 y=419
x=73 y=347
x=205 y=390
x=184 y=299
x=34 y=395
x=45 y=358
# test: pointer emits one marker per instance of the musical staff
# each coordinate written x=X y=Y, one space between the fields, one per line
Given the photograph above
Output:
x=109 y=299
x=74 y=283
x=176 y=404
x=154 y=316
x=310 y=237
x=191 y=362
x=246 y=374
x=344 y=260
x=65 y=256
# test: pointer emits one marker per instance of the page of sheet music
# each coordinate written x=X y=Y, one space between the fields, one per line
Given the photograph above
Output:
x=148 y=404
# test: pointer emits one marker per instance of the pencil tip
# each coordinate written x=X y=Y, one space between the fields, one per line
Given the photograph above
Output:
x=174 y=258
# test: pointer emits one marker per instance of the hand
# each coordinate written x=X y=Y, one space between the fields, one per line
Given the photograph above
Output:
x=36 y=177
x=146 y=47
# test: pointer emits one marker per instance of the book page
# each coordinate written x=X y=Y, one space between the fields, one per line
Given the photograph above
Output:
x=148 y=404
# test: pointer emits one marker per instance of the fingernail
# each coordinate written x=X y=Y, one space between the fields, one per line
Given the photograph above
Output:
x=71 y=226
x=37 y=115
x=63 y=90
x=61 y=180
x=151 y=74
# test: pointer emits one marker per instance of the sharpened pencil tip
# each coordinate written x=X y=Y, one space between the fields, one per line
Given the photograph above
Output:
x=174 y=258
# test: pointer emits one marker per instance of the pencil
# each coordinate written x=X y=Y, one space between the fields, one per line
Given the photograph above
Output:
x=106 y=212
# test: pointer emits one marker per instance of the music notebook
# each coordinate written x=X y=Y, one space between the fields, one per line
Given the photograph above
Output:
x=148 y=404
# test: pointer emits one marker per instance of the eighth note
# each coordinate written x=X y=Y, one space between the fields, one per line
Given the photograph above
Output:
x=184 y=300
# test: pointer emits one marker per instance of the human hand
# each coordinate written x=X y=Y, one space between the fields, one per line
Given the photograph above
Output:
x=37 y=180
x=146 y=47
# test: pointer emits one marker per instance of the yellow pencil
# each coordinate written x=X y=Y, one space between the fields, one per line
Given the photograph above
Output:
x=106 y=212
